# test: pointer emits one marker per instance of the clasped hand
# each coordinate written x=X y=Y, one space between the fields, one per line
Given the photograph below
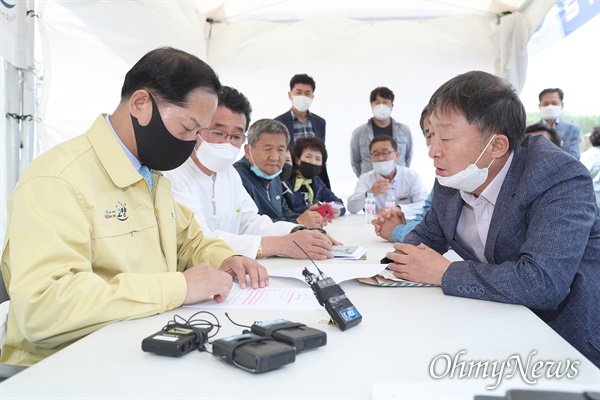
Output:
x=387 y=220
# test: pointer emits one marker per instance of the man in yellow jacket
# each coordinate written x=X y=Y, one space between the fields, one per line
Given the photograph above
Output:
x=94 y=235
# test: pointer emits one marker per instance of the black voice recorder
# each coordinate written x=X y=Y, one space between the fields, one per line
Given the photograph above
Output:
x=297 y=335
x=253 y=353
x=331 y=296
x=175 y=341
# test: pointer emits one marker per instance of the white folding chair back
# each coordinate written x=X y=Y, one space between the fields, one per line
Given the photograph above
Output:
x=3 y=321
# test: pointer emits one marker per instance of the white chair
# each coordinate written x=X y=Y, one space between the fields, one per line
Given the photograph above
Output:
x=3 y=320
x=6 y=370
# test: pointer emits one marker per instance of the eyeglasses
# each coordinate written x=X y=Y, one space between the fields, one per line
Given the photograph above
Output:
x=384 y=153
x=220 y=136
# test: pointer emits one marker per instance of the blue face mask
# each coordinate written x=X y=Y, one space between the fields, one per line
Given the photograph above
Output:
x=258 y=172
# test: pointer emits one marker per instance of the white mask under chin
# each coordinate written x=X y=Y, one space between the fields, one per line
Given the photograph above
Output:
x=469 y=179
x=382 y=111
x=301 y=103
x=217 y=156
x=550 y=112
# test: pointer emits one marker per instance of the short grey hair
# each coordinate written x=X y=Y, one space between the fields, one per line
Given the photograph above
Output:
x=266 y=125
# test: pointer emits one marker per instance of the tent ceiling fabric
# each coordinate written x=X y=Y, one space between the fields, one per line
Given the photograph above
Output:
x=294 y=10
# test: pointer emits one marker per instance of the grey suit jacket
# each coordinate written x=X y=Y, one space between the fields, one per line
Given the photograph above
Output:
x=543 y=245
x=570 y=135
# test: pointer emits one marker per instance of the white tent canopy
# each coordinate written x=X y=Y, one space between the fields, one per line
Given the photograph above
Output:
x=348 y=47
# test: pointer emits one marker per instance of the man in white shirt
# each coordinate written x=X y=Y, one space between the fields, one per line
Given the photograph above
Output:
x=209 y=184
x=386 y=175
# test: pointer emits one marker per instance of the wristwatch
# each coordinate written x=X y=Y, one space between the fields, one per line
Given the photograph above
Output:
x=302 y=227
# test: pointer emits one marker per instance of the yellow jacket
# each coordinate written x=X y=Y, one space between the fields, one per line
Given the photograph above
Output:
x=86 y=246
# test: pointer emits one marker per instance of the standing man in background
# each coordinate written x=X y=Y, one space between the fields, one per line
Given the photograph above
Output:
x=299 y=121
x=382 y=104
x=551 y=106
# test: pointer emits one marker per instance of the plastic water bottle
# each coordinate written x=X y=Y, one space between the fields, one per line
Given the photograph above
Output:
x=369 y=208
x=390 y=200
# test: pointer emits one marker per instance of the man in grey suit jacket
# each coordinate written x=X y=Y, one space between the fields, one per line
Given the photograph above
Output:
x=551 y=105
x=520 y=212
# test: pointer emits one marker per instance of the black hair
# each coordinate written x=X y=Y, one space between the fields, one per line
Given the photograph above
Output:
x=302 y=78
x=595 y=136
x=424 y=114
x=235 y=101
x=554 y=137
x=561 y=95
x=290 y=148
x=312 y=143
x=382 y=91
x=383 y=138
x=487 y=101
x=170 y=74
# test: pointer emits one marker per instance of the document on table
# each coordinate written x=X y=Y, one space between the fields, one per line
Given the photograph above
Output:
x=387 y=278
x=338 y=272
x=268 y=298
x=348 y=252
x=389 y=274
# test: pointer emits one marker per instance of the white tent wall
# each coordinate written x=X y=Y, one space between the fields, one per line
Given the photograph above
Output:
x=348 y=59
x=89 y=46
x=16 y=97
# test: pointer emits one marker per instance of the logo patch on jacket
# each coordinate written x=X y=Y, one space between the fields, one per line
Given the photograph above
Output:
x=120 y=212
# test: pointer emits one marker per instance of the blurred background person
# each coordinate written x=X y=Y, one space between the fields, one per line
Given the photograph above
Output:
x=551 y=106
x=591 y=159
x=546 y=131
x=382 y=104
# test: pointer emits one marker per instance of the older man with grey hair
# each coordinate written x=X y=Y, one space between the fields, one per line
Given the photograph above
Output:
x=260 y=168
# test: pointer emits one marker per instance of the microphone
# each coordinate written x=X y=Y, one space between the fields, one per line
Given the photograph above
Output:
x=331 y=296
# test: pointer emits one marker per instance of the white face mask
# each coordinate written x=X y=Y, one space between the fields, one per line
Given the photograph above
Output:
x=382 y=111
x=384 y=168
x=217 y=156
x=550 y=112
x=470 y=178
x=301 y=103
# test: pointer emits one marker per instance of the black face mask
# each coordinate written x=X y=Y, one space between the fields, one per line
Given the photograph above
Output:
x=157 y=148
x=286 y=172
x=309 y=170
